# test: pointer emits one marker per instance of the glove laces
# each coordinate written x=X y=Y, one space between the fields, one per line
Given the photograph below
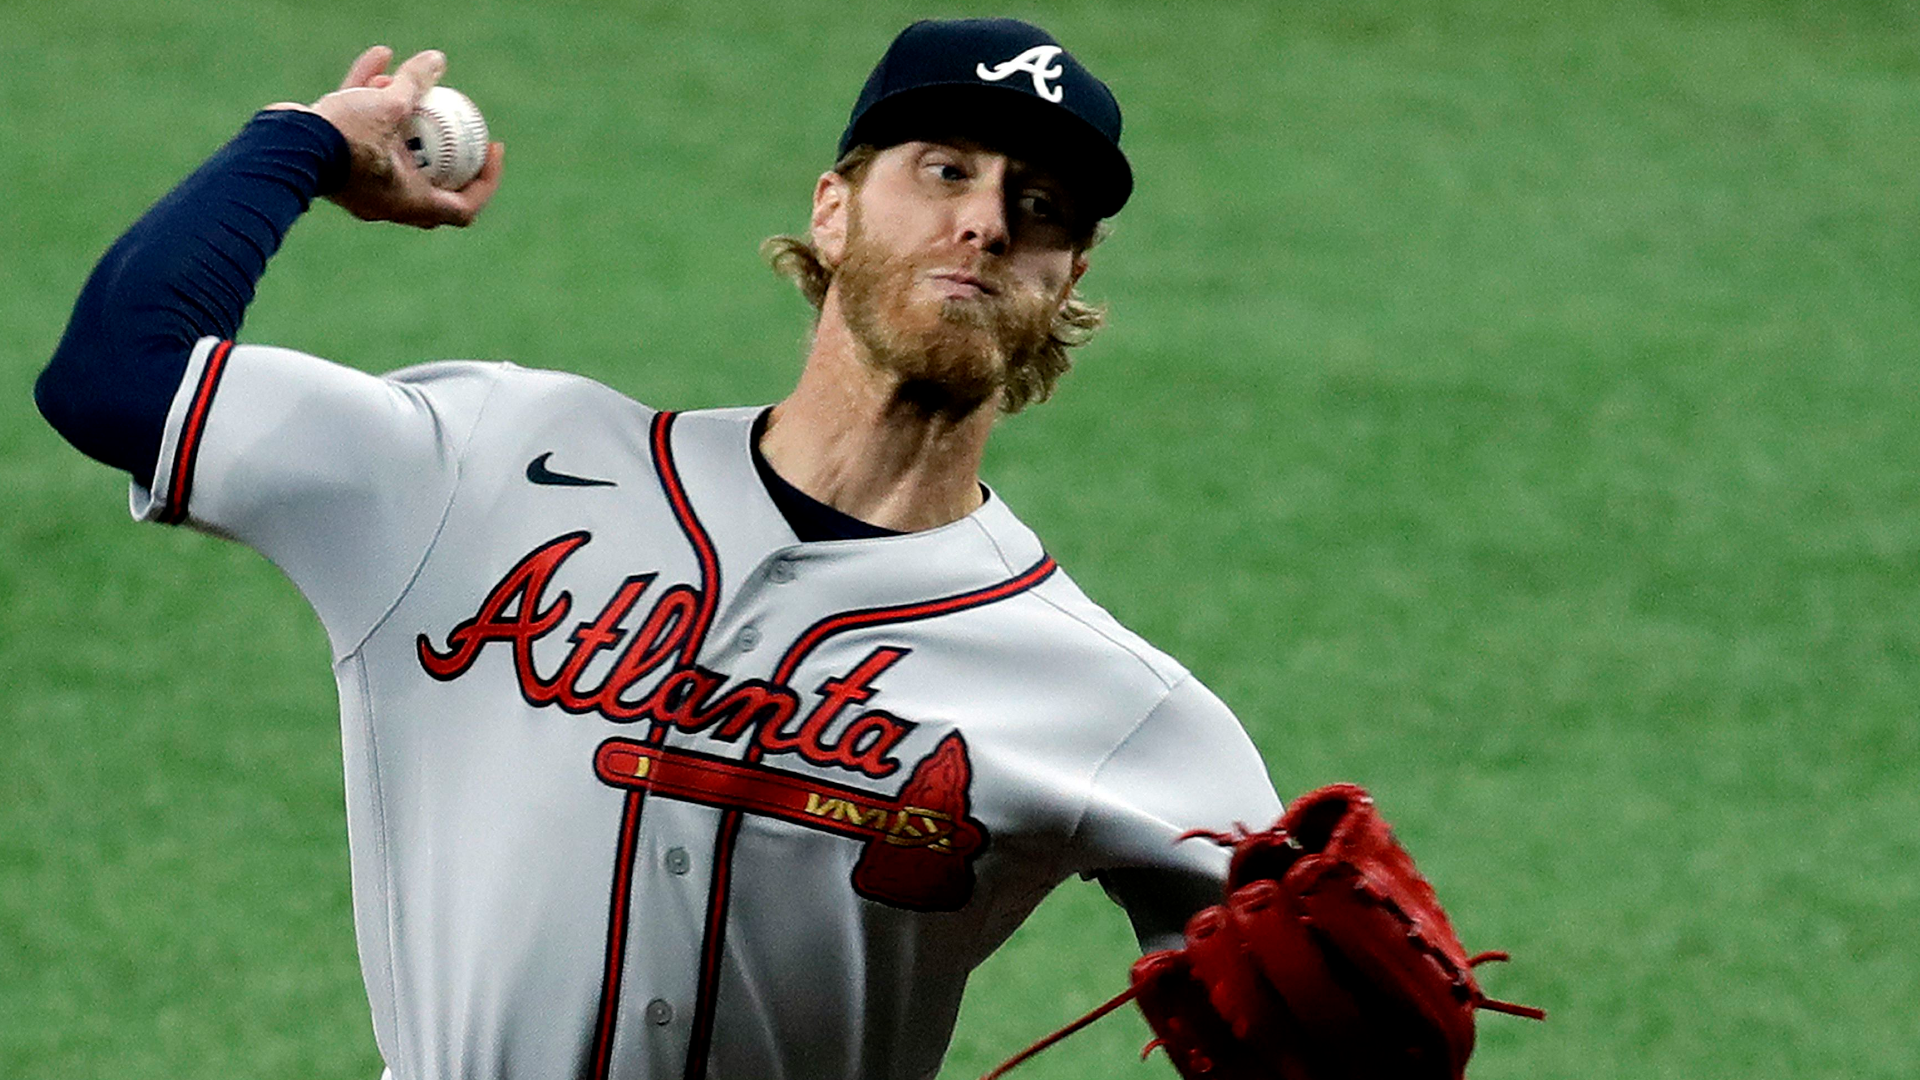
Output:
x=1482 y=1001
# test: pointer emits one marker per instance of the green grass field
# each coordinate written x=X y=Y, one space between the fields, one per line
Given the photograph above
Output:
x=1511 y=407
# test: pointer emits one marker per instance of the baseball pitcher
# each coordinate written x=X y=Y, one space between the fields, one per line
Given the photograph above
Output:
x=707 y=744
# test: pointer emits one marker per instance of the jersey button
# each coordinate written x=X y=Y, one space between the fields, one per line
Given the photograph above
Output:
x=659 y=1013
x=781 y=572
x=677 y=860
x=749 y=637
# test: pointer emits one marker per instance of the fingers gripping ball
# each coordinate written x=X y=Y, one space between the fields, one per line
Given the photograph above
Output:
x=448 y=138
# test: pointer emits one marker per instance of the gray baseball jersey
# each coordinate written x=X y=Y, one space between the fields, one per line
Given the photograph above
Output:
x=640 y=786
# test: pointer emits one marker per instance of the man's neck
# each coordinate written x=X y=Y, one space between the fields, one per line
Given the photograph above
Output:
x=853 y=437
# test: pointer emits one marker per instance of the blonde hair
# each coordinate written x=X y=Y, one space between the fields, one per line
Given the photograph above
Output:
x=796 y=258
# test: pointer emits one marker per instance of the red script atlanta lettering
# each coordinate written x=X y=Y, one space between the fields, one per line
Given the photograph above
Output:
x=517 y=613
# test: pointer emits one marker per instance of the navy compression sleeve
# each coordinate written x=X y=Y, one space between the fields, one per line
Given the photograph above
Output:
x=186 y=270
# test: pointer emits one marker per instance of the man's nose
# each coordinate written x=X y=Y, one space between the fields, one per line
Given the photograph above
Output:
x=982 y=217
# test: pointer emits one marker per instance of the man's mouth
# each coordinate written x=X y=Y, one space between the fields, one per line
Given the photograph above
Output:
x=959 y=283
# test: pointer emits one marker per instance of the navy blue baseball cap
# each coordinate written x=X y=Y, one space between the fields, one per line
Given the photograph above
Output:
x=1008 y=84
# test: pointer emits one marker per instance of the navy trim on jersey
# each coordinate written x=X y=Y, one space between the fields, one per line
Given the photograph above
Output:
x=616 y=960
x=185 y=271
x=660 y=442
x=701 y=1038
x=186 y=453
x=696 y=534
x=882 y=616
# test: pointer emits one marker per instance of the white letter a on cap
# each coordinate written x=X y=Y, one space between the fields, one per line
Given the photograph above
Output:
x=1034 y=62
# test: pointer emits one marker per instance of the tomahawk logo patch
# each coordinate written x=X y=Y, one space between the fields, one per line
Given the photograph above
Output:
x=918 y=847
x=1037 y=62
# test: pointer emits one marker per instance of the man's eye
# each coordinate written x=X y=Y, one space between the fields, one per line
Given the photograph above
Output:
x=1039 y=206
x=948 y=171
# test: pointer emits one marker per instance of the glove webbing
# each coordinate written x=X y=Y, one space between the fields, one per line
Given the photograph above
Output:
x=1241 y=833
x=1482 y=1001
x=1124 y=996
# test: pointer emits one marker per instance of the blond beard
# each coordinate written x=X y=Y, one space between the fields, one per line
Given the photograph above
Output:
x=951 y=355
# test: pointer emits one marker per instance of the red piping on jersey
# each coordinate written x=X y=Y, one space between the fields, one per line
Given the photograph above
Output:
x=696 y=535
x=616 y=935
x=187 y=452
x=702 y=1035
x=811 y=638
x=609 y=1015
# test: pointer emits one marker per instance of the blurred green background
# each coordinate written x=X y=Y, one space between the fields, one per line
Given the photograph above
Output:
x=1509 y=406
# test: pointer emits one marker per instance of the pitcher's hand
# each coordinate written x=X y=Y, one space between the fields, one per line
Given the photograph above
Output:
x=372 y=109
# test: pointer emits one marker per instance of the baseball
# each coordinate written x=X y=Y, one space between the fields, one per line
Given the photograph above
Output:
x=448 y=138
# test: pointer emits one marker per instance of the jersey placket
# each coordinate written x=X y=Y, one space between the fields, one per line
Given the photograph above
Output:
x=799 y=656
x=639 y=868
x=666 y=870
x=672 y=861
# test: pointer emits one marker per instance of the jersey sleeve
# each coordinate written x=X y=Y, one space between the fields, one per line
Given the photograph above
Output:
x=341 y=478
x=1188 y=765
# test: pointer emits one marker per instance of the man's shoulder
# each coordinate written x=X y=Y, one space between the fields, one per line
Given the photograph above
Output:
x=528 y=382
x=1086 y=625
x=1064 y=615
x=502 y=394
x=548 y=388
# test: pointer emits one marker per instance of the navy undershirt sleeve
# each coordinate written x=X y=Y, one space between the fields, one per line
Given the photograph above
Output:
x=186 y=270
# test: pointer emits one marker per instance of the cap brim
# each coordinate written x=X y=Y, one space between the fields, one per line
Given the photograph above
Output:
x=1010 y=120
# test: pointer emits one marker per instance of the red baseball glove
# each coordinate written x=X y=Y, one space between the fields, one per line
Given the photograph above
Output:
x=1330 y=960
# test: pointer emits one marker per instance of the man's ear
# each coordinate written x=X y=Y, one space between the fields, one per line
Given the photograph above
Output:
x=1079 y=268
x=832 y=202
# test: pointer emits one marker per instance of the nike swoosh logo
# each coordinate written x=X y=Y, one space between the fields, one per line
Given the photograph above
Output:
x=538 y=472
